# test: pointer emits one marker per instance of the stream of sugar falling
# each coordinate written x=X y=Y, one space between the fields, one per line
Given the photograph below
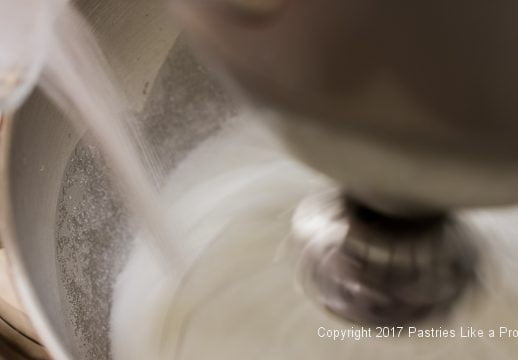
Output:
x=76 y=77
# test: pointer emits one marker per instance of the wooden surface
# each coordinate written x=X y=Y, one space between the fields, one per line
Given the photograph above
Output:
x=15 y=326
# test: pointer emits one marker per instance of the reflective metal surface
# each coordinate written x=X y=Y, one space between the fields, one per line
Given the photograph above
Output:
x=410 y=104
x=63 y=223
x=404 y=140
x=375 y=269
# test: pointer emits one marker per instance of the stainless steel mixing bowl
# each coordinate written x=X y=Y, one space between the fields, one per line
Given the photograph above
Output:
x=63 y=223
x=66 y=229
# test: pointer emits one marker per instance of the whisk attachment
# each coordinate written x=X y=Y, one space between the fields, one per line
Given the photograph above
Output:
x=375 y=269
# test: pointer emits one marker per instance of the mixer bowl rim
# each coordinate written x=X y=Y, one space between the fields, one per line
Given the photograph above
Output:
x=18 y=272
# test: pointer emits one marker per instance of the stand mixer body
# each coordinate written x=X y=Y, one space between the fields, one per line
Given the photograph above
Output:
x=412 y=105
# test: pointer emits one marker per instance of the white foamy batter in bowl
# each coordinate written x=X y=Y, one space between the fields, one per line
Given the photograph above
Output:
x=237 y=297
